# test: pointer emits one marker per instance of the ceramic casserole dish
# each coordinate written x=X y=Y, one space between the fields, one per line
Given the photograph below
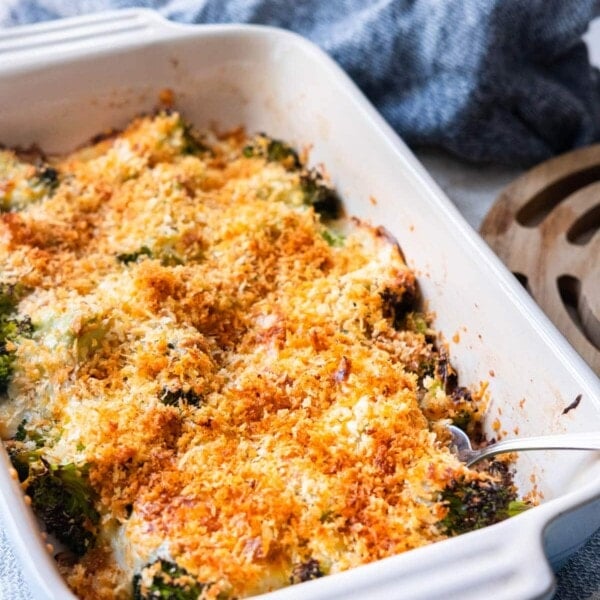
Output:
x=63 y=82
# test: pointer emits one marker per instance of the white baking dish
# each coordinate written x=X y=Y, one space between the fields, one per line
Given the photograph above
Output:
x=62 y=82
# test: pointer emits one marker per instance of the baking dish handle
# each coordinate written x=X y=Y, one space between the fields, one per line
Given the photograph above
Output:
x=503 y=562
x=42 y=42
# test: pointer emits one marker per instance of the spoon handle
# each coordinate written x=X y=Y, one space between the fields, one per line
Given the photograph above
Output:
x=564 y=441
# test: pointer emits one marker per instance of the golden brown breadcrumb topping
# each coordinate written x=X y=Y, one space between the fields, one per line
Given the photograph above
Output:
x=249 y=383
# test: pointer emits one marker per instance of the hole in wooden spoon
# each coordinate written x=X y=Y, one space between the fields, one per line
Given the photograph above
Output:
x=583 y=229
x=590 y=313
x=542 y=204
x=522 y=279
x=569 y=288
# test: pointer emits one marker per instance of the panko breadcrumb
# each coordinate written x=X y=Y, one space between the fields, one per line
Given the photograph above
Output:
x=248 y=380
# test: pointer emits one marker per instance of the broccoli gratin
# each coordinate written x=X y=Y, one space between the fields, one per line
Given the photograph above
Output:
x=211 y=384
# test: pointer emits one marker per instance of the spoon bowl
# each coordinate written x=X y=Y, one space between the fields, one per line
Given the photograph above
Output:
x=461 y=444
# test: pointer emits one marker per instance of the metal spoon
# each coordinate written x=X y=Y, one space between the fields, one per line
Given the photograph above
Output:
x=461 y=444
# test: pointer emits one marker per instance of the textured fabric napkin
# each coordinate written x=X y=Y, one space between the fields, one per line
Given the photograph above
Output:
x=505 y=81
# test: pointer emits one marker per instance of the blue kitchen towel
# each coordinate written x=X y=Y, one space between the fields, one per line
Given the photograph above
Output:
x=505 y=81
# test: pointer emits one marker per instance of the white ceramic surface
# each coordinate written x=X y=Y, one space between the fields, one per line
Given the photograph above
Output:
x=62 y=82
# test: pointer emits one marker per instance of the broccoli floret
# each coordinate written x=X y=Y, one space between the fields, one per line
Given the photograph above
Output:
x=24 y=182
x=191 y=144
x=445 y=372
x=476 y=504
x=335 y=240
x=397 y=304
x=167 y=257
x=129 y=257
x=11 y=328
x=172 y=397
x=170 y=259
x=448 y=378
x=10 y=295
x=6 y=370
x=61 y=497
x=273 y=151
x=181 y=136
x=311 y=569
x=321 y=197
x=162 y=580
x=417 y=321
x=516 y=507
x=426 y=368
x=24 y=434
x=21 y=434
x=315 y=192
x=48 y=176
x=462 y=419
x=278 y=151
x=24 y=461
